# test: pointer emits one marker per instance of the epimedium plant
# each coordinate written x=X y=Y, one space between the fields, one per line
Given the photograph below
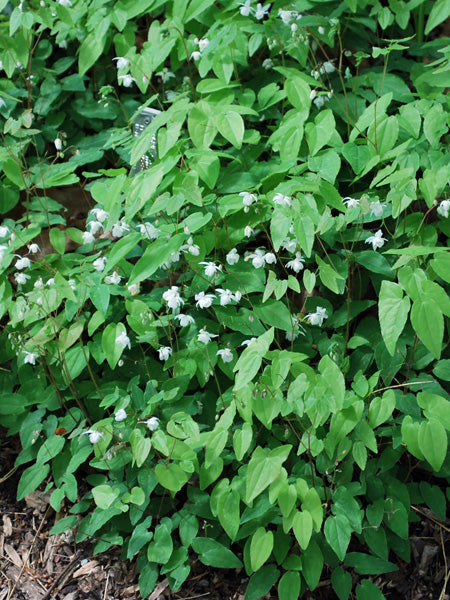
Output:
x=244 y=356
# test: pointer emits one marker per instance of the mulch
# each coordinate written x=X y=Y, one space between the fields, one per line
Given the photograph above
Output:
x=37 y=566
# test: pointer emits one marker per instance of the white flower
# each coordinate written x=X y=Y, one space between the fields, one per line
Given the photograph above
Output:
x=226 y=354
x=114 y=278
x=164 y=352
x=123 y=340
x=3 y=249
x=94 y=435
x=226 y=296
x=245 y=9
x=120 y=415
x=127 y=80
x=88 y=237
x=204 y=300
x=64 y=2
x=296 y=264
x=237 y=295
x=294 y=27
x=328 y=67
x=191 y=247
x=122 y=62
x=50 y=281
x=58 y=144
x=376 y=209
x=282 y=200
x=94 y=227
x=210 y=268
x=351 y=202
x=247 y=198
x=248 y=231
x=71 y=282
x=148 y=231
x=248 y=342
x=21 y=278
x=285 y=16
x=23 y=263
x=99 y=263
x=30 y=358
x=205 y=337
x=376 y=240
x=318 y=317
x=4 y=231
x=257 y=258
x=165 y=75
x=270 y=258
x=289 y=244
x=152 y=423
x=133 y=289
x=100 y=214
x=313 y=94
x=196 y=55
x=38 y=283
x=319 y=101
x=232 y=257
x=444 y=208
x=321 y=30
x=33 y=249
x=202 y=44
x=184 y=320
x=267 y=64
x=261 y=11
x=173 y=298
x=120 y=228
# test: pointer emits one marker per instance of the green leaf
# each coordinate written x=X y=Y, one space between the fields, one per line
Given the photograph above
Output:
x=381 y=409
x=312 y=504
x=201 y=124
x=31 y=478
x=439 y=13
x=366 y=564
x=312 y=564
x=435 y=408
x=104 y=495
x=342 y=583
x=338 y=532
x=171 y=476
x=231 y=125
x=289 y=586
x=214 y=554
x=302 y=527
x=242 y=438
x=93 y=45
x=154 y=256
x=262 y=582
x=261 y=546
x=263 y=469
x=250 y=360
x=393 y=312
x=275 y=314
x=229 y=513
x=160 y=549
x=329 y=276
x=428 y=323
x=298 y=93
x=367 y=590
x=112 y=350
x=140 y=447
x=433 y=442
x=304 y=231
x=50 y=448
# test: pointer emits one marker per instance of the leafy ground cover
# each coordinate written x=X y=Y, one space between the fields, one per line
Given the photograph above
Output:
x=239 y=355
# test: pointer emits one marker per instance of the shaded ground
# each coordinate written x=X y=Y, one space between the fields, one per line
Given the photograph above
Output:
x=36 y=566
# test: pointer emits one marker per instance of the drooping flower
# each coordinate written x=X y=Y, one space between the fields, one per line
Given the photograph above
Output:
x=351 y=202
x=21 y=278
x=328 y=67
x=164 y=352
x=94 y=435
x=173 y=298
x=38 y=283
x=225 y=296
x=127 y=80
x=210 y=268
x=94 y=227
x=50 y=281
x=289 y=244
x=88 y=237
x=148 y=230
x=232 y=257
x=202 y=44
x=270 y=258
x=318 y=317
x=226 y=354
x=99 y=263
x=257 y=258
x=282 y=200
x=248 y=342
x=120 y=415
x=204 y=300
x=296 y=264
x=33 y=249
x=133 y=288
x=261 y=11
x=247 y=198
x=190 y=247
x=30 y=358
x=4 y=231
x=196 y=55
x=376 y=240
x=205 y=337
x=245 y=9
x=248 y=231
x=23 y=263
x=184 y=320
x=152 y=423
x=58 y=144
x=67 y=3
x=444 y=208
x=114 y=278
x=123 y=340
x=3 y=250
x=267 y=64
x=120 y=228
x=100 y=214
x=122 y=62
x=376 y=209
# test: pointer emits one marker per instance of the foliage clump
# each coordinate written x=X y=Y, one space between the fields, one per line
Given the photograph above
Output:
x=240 y=352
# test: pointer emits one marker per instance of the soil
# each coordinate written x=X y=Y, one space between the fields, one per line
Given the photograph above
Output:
x=37 y=566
